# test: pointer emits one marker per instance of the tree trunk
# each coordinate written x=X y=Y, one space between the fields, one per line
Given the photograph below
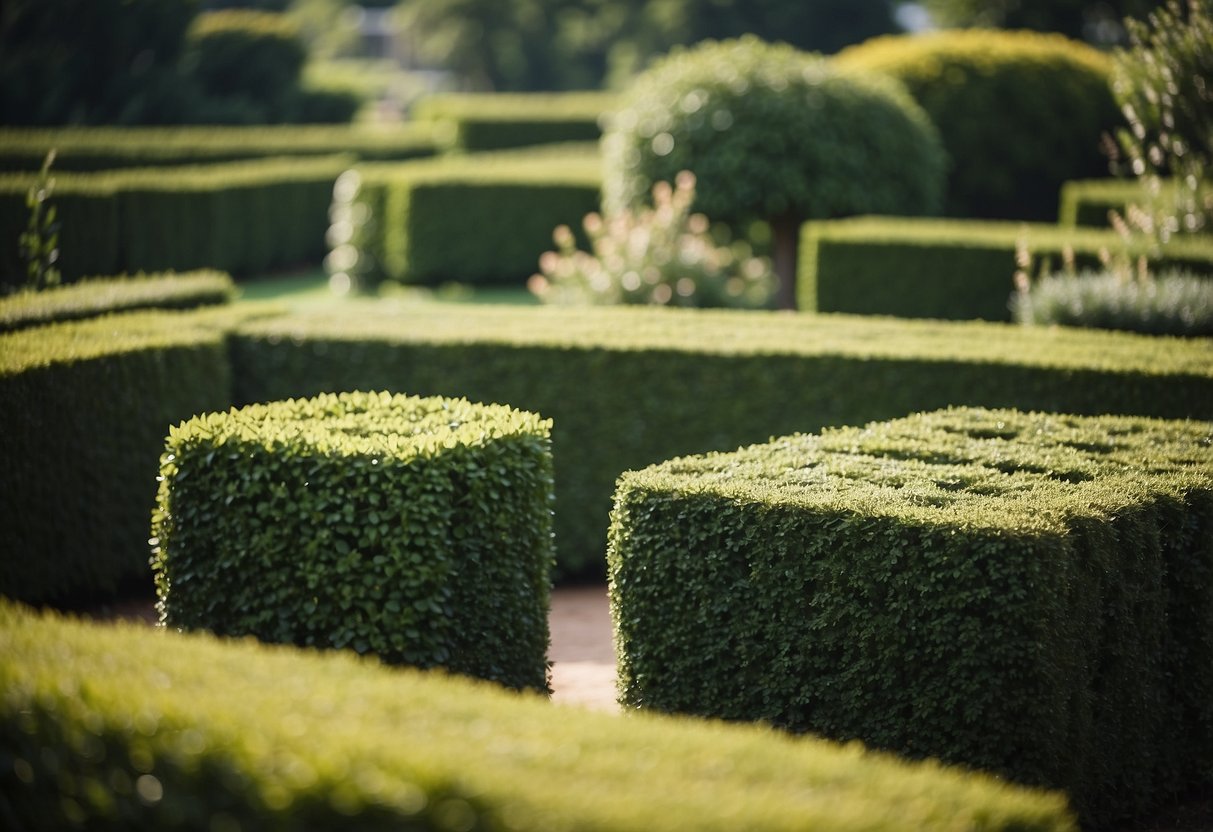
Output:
x=785 y=242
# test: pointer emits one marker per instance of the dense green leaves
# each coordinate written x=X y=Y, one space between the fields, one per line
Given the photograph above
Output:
x=502 y=120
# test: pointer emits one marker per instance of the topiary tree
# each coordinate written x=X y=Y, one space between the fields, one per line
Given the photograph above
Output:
x=772 y=133
x=1019 y=112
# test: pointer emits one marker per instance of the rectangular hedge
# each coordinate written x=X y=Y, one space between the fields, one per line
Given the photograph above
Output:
x=495 y=121
x=627 y=387
x=1027 y=594
x=1086 y=202
x=86 y=408
x=123 y=727
x=954 y=269
x=419 y=530
x=95 y=149
x=239 y=217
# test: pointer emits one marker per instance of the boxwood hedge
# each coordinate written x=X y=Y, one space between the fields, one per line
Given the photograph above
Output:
x=1088 y=201
x=1027 y=594
x=494 y=121
x=122 y=727
x=415 y=529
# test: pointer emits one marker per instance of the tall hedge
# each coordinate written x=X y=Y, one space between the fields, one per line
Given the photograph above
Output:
x=495 y=121
x=1019 y=112
x=1027 y=594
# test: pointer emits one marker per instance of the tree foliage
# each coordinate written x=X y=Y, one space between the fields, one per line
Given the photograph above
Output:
x=1098 y=21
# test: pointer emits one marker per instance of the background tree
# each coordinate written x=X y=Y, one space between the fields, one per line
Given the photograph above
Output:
x=1097 y=21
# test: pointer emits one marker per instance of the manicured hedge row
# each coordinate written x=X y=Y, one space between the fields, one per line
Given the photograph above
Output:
x=123 y=727
x=478 y=219
x=929 y=268
x=94 y=297
x=1027 y=594
x=86 y=407
x=494 y=121
x=627 y=387
x=1088 y=201
x=95 y=149
x=419 y=530
x=239 y=217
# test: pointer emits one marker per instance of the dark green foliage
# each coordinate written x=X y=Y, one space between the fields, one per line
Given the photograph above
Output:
x=39 y=243
x=1097 y=21
x=418 y=530
x=948 y=268
x=1019 y=112
x=1026 y=594
x=95 y=297
x=501 y=120
x=627 y=387
x=86 y=407
x=1088 y=202
x=121 y=727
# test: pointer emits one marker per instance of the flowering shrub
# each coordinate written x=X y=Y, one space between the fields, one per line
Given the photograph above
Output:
x=662 y=255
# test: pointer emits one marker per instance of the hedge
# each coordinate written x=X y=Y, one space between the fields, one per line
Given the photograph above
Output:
x=239 y=217
x=1026 y=594
x=478 y=219
x=627 y=387
x=1088 y=201
x=99 y=296
x=418 y=530
x=124 y=727
x=86 y=407
x=95 y=149
x=958 y=269
x=494 y=121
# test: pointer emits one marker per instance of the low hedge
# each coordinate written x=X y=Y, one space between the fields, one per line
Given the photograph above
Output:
x=239 y=217
x=957 y=269
x=1089 y=201
x=96 y=149
x=627 y=387
x=124 y=727
x=494 y=121
x=86 y=407
x=418 y=530
x=482 y=219
x=99 y=296
x=1027 y=594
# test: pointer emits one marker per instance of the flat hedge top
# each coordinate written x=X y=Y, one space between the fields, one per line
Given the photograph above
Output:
x=748 y=333
x=569 y=163
x=331 y=729
x=556 y=106
x=251 y=171
x=362 y=424
x=962 y=468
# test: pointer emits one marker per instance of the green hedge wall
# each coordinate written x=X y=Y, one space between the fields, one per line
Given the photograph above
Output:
x=494 y=121
x=240 y=217
x=957 y=269
x=478 y=219
x=95 y=149
x=122 y=727
x=94 y=297
x=627 y=387
x=1028 y=594
x=418 y=530
x=86 y=408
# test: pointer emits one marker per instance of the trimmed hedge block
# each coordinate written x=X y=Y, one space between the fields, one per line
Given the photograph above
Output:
x=627 y=387
x=86 y=407
x=415 y=529
x=121 y=727
x=955 y=269
x=1089 y=201
x=495 y=121
x=1028 y=594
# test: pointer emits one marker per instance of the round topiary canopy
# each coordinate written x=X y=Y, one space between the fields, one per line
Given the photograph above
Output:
x=772 y=133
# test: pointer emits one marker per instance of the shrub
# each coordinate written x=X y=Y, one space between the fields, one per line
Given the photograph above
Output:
x=495 y=121
x=1172 y=303
x=775 y=134
x=1088 y=202
x=101 y=296
x=1019 y=112
x=1025 y=594
x=121 y=727
x=415 y=529
x=663 y=255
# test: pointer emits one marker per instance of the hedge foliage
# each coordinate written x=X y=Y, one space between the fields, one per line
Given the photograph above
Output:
x=483 y=219
x=494 y=121
x=1088 y=201
x=93 y=149
x=1019 y=112
x=99 y=296
x=960 y=269
x=1026 y=594
x=86 y=407
x=628 y=387
x=239 y=217
x=124 y=727
x=418 y=530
